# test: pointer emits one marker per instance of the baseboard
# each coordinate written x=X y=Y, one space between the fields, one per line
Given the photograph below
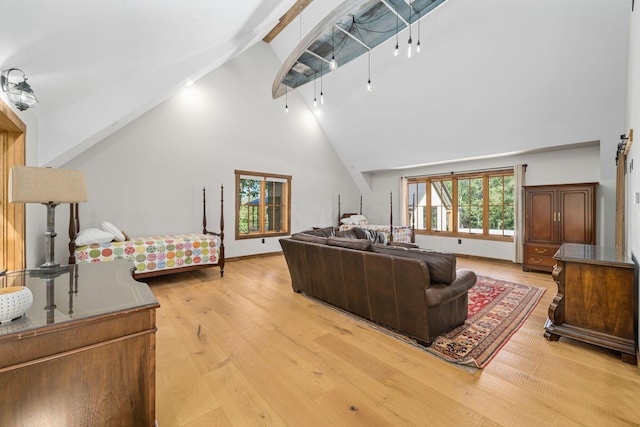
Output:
x=243 y=257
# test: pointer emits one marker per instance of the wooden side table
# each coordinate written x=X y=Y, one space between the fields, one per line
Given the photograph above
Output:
x=84 y=352
x=596 y=300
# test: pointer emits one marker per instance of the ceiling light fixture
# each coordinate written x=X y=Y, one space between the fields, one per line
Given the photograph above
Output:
x=333 y=64
x=418 y=43
x=286 y=98
x=321 y=93
x=369 y=81
x=315 y=100
x=19 y=93
x=395 y=52
x=409 y=46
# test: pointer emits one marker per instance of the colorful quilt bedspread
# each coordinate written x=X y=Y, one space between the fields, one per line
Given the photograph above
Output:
x=401 y=233
x=154 y=253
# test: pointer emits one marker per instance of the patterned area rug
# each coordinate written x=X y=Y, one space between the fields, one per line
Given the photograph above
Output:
x=497 y=309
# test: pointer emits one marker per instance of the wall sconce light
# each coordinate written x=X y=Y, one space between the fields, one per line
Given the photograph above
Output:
x=19 y=93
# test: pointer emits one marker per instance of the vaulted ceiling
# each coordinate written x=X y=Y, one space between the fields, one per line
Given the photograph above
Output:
x=494 y=76
x=96 y=65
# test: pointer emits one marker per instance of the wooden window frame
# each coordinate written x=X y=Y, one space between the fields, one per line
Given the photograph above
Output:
x=454 y=178
x=285 y=205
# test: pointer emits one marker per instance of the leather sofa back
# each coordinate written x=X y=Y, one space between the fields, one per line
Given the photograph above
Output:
x=385 y=289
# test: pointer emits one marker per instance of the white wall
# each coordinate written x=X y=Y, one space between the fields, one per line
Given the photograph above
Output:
x=147 y=178
x=574 y=165
x=493 y=77
x=633 y=159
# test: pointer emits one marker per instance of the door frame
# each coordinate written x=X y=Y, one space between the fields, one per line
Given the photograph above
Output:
x=12 y=215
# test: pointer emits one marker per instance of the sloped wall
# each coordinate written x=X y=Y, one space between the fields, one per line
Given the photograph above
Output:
x=147 y=178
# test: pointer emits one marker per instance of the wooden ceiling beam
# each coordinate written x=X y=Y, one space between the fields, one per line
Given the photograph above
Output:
x=286 y=19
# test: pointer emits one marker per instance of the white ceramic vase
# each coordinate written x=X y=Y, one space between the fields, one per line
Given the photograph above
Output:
x=14 y=302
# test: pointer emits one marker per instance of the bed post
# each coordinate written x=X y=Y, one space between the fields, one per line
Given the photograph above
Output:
x=391 y=216
x=74 y=228
x=361 y=204
x=221 y=260
x=204 y=224
x=204 y=211
x=413 y=218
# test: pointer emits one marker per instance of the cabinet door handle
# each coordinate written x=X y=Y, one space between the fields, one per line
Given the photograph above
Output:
x=536 y=261
x=540 y=251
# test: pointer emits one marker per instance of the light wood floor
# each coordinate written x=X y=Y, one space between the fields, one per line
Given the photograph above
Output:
x=245 y=350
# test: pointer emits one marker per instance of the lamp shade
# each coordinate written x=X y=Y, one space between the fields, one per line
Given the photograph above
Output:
x=43 y=185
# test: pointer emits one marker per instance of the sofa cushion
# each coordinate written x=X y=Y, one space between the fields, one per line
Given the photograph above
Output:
x=320 y=231
x=442 y=265
x=349 y=234
x=311 y=238
x=358 y=244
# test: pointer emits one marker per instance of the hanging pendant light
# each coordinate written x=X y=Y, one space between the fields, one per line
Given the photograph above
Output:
x=286 y=97
x=315 y=100
x=321 y=93
x=333 y=64
x=369 y=81
x=409 y=43
x=418 y=43
x=395 y=52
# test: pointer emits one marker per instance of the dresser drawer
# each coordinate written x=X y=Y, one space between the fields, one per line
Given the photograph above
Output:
x=540 y=251
x=534 y=261
x=539 y=257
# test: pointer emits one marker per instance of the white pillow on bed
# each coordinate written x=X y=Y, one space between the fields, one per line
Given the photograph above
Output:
x=346 y=221
x=359 y=220
x=118 y=236
x=91 y=236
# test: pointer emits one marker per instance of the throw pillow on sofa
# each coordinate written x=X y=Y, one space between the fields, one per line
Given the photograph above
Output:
x=441 y=265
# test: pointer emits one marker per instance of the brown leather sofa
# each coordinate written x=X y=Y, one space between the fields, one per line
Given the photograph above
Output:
x=415 y=292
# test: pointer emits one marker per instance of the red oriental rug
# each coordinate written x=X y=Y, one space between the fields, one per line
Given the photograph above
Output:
x=497 y=309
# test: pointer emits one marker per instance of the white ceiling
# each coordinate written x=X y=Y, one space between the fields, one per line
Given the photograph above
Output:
x=494 y=76
x=104 y=62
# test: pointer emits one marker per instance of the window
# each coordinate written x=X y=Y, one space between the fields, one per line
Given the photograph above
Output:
x=262 y=204
x=477 y=205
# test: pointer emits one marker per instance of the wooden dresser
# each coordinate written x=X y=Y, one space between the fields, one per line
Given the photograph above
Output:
x=557 y=214
x=84 y=352
x=597 y=298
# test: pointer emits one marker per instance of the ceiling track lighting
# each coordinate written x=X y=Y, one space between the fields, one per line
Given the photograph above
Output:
x=19 y=93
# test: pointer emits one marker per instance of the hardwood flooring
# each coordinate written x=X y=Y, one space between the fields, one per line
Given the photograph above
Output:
x=245 y=350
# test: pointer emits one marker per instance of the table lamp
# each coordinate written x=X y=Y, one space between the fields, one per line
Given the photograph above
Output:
x=49 y=186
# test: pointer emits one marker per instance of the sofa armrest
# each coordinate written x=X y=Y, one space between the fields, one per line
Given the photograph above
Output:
x=440 y=293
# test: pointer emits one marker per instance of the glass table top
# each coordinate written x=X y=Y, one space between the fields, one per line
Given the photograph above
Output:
x=593 y=254
x=76 y=292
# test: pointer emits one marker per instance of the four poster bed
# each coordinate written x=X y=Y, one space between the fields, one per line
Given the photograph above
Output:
x=151 y=255
x=393 y=233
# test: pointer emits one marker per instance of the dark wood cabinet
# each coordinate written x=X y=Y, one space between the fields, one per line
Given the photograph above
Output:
x=596 y=300
x=83 y=354
x=557 y=214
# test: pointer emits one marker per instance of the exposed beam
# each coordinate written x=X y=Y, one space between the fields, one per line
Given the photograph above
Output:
x=286 y=19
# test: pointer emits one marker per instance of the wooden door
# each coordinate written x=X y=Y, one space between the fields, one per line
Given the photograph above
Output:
x=575 y=215
x=539 y=216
